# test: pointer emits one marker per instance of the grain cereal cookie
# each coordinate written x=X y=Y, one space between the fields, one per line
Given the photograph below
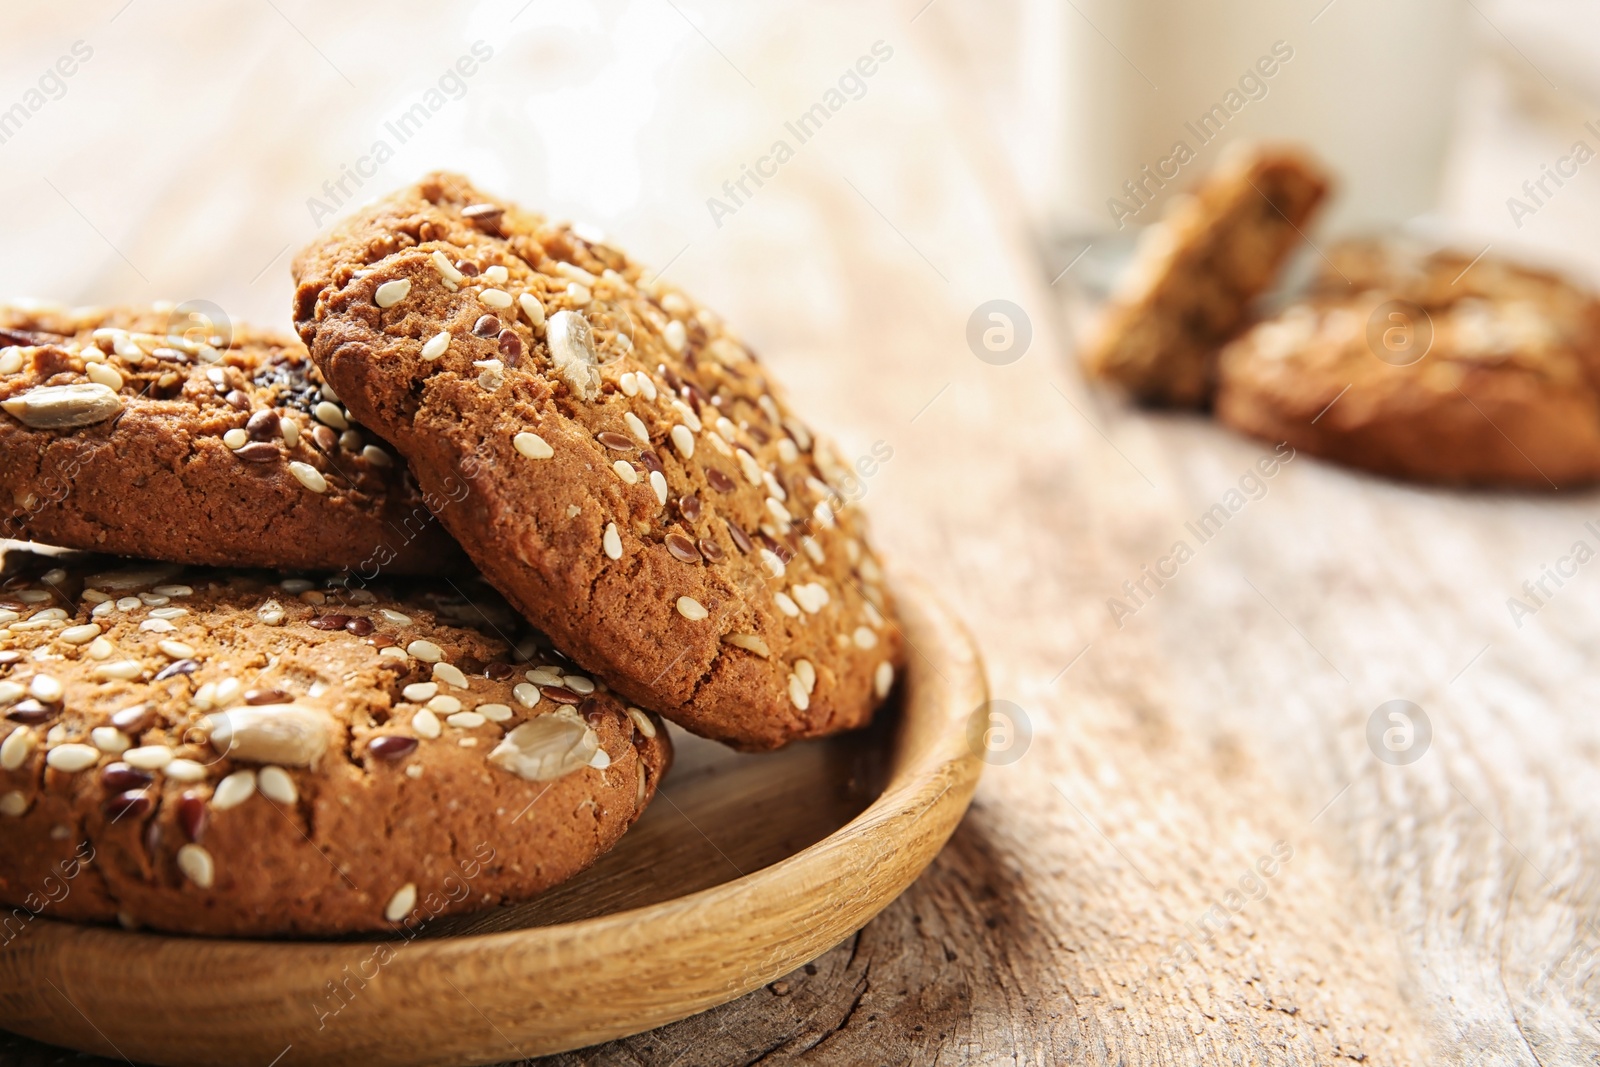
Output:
x=649 y=500
x=1475 y=391
x=239 y=753
x=1199 y=270
x=217 y=445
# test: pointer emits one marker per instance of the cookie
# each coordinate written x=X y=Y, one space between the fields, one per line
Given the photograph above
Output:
x=1504 y=396
x=236 y=753
x=119 y=433
x=1198 y=271
x=647 y=498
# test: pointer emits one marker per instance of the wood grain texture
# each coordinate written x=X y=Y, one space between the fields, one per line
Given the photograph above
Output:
x=1441 y=913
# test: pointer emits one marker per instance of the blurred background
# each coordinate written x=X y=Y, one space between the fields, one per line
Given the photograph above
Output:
x=851 y=184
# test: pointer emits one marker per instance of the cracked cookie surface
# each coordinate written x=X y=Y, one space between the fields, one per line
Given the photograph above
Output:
x=635 y=483
x=217 y=445
x=238 y=753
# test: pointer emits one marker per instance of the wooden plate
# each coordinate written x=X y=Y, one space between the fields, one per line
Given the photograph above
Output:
x=746 y=867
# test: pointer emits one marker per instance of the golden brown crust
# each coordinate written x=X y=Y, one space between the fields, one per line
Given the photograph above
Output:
x=1502 y=397
x=237 y=753
x=635 y=484
x=149 y=469
x=1198 y=271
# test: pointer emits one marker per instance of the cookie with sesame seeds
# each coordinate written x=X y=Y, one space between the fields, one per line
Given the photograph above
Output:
x=1198 y=271
x=240 y=753
x=652 y=503
x=130 y=430
x=1470 y=392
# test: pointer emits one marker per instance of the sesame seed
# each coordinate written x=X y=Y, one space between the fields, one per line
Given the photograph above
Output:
x=600 y=760
x=883 y=679
x=578 y=684
x=156 y=626
x=426 y=724
x=813 y=548
x=449 y=674
x=391 y=293
x=72 y=758
x=496 y=275
x=647 y=386
x=392 y=652
x=418 y=692
x=102 y=609
x=10 y=360
x=17 y=747
x=169 y=612
x=437 y=345
x=13 y=805
x=612 y=541
x=100 y=374
x=636 y=427
x=495 y=712
x=578 y=293
x=807 y=674
x=197 y=865
x=865 y=638
x=495 y=298
x=185 y=770
x=80 y=635
x=11 y=692
x=234 y=790
x=329 y=414
x=446 y=269
x=532 y=308
x=797 y=693
x=532 y=445
x=629 y=384
x=308 y=476
x=236 y=438
x=748 y=464
x=625 y=471
x=122 y=670
x=750 y=643
x=773 y=561
x=812 y=596
x=786 y=604
x=276 y=785
x=787 y=452
x=426 y=651
x=110 y=740
x=688 y=414
x=45 y=688
x=148 y=758
x=692 y=609
x=779 y=513
x=400 y=905
x=466 y=720
x=395 y=617
x=173 y=590
x=444 y=705
x=675 y=335
x=683 y=440
x=774 y=487
x=290 y=431
x=527 y=694
x=658 y=482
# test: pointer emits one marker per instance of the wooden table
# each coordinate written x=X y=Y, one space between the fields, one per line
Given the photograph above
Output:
x=1199 y=857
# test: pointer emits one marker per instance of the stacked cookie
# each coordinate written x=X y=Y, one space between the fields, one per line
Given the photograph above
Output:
x=1409 y=361
x=498 y=439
